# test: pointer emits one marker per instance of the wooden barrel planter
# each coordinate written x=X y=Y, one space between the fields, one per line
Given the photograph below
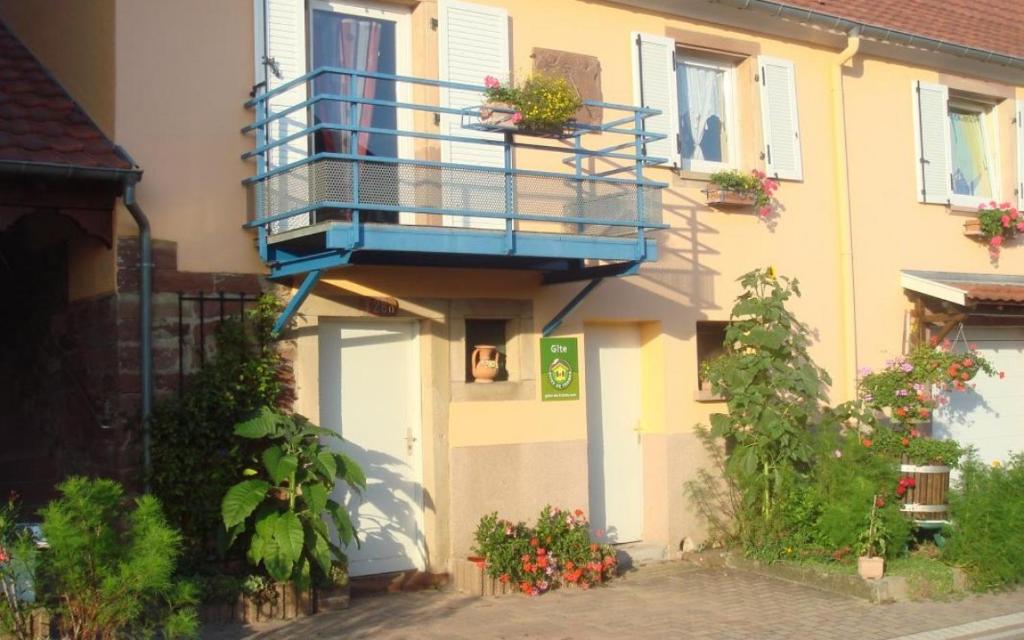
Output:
x=928 y=499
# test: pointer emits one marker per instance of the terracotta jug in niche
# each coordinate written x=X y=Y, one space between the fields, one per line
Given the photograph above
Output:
x=485 y=363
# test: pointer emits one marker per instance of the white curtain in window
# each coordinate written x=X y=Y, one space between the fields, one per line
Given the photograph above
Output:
x=702 y=109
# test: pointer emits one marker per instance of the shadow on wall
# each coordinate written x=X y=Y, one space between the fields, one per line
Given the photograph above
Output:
x=385 y=514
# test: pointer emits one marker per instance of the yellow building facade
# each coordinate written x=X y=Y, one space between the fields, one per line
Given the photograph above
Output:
x=839 y=106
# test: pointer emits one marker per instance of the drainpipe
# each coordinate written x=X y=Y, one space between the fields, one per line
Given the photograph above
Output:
x=128 y=179
x=145 y=318
x=844 y=217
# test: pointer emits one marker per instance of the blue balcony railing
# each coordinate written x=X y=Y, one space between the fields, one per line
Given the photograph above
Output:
x=340 y=174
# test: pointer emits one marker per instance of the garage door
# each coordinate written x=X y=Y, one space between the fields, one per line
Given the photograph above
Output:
x=990 y=418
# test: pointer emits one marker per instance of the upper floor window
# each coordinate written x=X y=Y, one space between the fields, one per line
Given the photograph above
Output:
x=970 y=152
x=707 y=122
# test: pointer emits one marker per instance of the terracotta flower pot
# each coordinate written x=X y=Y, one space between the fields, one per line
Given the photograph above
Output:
x=870 y=567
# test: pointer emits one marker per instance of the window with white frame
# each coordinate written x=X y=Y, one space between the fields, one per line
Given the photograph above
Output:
x=956 y=134
x=970 y=152
x=707 y=123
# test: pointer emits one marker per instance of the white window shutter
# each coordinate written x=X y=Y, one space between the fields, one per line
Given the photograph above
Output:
x=931 y=136
x=654 y=87
x=473 y=43
x=1020 y=154
x=780 y=119
x=281 y=57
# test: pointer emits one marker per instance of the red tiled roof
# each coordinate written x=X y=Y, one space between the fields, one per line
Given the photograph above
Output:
x=39 y=122
x=990 y=25
x=1013 y=293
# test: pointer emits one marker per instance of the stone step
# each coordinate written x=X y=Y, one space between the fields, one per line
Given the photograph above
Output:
x=636 y=554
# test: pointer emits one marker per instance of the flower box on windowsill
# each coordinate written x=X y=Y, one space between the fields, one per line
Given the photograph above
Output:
x=972 y=228
x=728 y=199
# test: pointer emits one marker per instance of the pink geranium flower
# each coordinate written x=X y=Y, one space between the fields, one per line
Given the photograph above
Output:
x=517 y=117
x=491 y=82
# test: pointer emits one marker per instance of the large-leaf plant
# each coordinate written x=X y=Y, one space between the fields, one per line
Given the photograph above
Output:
x=282 y=508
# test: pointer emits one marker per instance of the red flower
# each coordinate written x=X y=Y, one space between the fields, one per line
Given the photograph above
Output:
x=866 y=442
x=541 y=551
x=879 y=502
x=569 y=565
x=900 y=490
x=923 y=412
x=914 y=433
x=901 y=411
x=968 y=362
x=542 y=563
x=579 y=512
x=534 y=542
x=1002 y=374
x=526 y=557
x=504 y=578
x=905 y=442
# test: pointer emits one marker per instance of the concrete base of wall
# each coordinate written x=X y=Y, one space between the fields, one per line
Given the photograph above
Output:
x=516 y=480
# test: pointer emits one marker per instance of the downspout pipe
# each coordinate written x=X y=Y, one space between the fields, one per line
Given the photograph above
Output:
x=841 y=168
x=145 y=320
x=128 y=178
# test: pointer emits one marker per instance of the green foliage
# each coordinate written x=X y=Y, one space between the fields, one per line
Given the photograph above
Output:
x=774 y=392
x=893 y=444
x=196 y=456
x=908 y=389
x=109 y=568
x=555 y=552
x=545 y=102
x=755 y=183
x=17 y=570
x=987 y=512
x=280 y=509
x=874 y=539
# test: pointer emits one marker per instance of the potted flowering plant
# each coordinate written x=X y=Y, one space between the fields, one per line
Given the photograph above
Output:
x=733 y=188
x=872 y=544
x=541 y=105
x=996 y=224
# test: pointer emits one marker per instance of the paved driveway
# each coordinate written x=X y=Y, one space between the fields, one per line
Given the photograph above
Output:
x=665 y=601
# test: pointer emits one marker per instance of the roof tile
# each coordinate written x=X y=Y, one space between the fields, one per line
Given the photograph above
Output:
x=39 y=121
x=989 y=25
x=1013 y=293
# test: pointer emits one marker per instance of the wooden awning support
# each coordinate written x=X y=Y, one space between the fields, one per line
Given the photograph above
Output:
x=923 y=320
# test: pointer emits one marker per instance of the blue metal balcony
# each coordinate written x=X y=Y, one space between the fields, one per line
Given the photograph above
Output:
x=323 y=198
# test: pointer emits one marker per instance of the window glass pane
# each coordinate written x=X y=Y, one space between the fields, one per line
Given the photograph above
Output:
x=970 y=166
x=702 y=112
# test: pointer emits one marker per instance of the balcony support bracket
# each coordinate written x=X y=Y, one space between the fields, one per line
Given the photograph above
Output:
x=300 y=296
x=556 y=322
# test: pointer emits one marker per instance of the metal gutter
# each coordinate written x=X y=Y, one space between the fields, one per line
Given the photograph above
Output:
x=128 y=179
x=874 y=32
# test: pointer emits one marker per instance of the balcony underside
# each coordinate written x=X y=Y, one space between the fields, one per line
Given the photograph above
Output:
x=332 y=244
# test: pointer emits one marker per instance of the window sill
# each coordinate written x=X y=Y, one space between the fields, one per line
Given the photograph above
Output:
x=706 y=395
x=493 y=392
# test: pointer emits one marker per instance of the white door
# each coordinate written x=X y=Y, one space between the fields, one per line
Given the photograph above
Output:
x=614 y=453
x=370 y=394
x=991 y=417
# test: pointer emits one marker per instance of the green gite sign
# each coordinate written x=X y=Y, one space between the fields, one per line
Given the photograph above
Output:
x=559 y=369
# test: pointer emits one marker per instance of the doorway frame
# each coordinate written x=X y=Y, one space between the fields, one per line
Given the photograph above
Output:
x=402 y=17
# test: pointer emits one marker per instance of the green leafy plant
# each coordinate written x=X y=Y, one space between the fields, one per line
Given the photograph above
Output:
x=542 y=102
x=282 y=504
x=909 y=388
x=999 y=223
x=109 y=569
x=874 y=539
x=555 y=552
x=196 y=455
x=17 y=573
x=987 y=515
x=756 y=183
x=774 y=391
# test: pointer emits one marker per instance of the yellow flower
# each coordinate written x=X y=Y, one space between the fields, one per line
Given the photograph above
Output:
x=996 y=464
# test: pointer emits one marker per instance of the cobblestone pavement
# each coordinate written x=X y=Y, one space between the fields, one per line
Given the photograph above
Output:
x=665 y=601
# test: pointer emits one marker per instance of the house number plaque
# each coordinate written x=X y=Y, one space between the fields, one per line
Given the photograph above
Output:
x=381 y=307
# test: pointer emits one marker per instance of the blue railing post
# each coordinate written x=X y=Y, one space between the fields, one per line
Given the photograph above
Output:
x=638 y=169
x=262 y=136
x=510 y=237
x=577 y=146
x=353 y=148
